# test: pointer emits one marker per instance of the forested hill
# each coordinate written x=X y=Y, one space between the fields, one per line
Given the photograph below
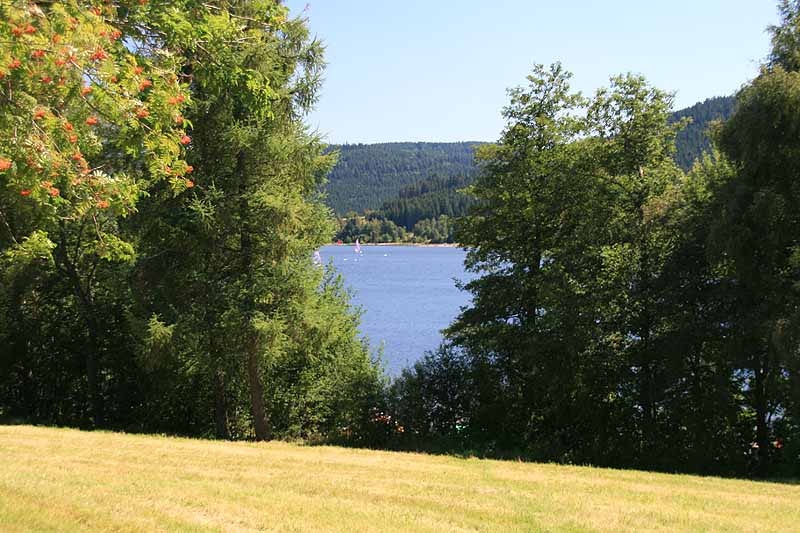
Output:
x=430 y=198
x=422 y=212
x=369 y=175
x=693 y=140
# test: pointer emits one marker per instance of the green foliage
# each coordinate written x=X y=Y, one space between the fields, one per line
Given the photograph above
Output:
x=160 y=278
x=786 y=37
x=324 y=383
x=36 y=246
x=627 y=313
x=425 y=212
x=754 y=240
x=87 y=126
x=429 y=199
x=371 y=228
x=436 y=230
x=433 y=399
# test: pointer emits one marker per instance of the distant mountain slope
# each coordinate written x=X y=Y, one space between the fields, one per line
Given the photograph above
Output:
x=693 y=140
x=367 y=175
x=383 y=176
x=430 y=198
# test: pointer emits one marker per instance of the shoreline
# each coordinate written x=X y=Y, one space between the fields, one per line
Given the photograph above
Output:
x=418 y=244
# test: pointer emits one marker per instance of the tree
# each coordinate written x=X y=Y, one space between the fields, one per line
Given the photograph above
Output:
x=578 y=232
x=754 y=240
x=147 y=293
x=629 y=314
x=532 y=197
x=87 y=126
x=786 y=37
x=636 y=151
x=247 y=285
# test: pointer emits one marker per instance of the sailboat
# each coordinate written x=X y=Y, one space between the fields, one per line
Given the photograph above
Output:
x=358 y=247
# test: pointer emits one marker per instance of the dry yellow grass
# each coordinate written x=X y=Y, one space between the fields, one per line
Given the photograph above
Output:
x=68 y=480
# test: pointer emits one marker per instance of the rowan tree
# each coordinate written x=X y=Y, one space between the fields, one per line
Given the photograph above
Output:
x=88 y=123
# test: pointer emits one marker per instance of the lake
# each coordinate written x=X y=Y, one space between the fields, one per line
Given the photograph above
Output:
x=407 y=293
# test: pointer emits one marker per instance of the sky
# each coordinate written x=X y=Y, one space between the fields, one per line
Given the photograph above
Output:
x=438 y=70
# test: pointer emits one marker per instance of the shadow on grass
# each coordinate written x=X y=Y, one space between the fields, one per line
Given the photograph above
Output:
x=460 y=452
x=443 y=448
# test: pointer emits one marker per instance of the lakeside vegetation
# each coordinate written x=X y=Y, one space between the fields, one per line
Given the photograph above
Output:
x=626 y=312
x=425 y=212
x=57 y=479
x=373 y=228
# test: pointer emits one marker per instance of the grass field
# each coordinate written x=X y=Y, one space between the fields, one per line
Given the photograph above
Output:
x=57 y=480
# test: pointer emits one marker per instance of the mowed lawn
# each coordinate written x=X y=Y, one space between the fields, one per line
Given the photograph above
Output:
x=62 y=480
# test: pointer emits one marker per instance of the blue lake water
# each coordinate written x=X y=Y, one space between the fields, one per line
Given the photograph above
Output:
x=407 y=293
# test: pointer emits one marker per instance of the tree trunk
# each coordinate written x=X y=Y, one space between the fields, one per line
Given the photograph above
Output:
x=252 y=345
x=760 y=401
x=256 y=385
x=647 y=362
x=86 y=301
x=220 y=406
x=95 y=397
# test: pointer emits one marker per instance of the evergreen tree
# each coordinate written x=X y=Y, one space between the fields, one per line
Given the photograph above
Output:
x=367 y=175
x=255 y=218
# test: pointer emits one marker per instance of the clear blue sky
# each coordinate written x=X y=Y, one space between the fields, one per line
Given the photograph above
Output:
x=437 y=70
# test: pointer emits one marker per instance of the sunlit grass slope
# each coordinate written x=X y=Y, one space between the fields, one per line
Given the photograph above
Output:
x=56 y=480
